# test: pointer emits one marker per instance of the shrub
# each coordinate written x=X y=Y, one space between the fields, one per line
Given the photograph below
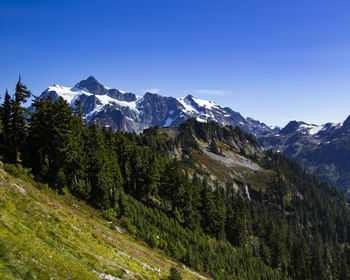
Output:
x=125 y=222
x=109 y=214
x=174 y=274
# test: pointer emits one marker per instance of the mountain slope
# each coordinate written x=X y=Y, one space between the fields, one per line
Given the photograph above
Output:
x=48 y=236
x=324 y=150
x=128 y=112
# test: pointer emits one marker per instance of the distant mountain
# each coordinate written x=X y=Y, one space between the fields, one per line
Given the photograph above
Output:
x=323 y=149
x=127 y=112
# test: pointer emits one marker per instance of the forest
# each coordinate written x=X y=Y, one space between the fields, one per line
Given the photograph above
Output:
x=296 y=228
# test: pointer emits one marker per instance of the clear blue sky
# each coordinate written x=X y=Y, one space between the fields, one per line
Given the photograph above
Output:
x=272 y=60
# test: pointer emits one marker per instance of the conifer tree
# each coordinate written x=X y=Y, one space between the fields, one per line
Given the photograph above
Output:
x=173 y=185
x=6 y=115
x=102 y=176
x=18 y=121
x=317 y=264
x=38 y=143
x=208 y=209
x=74 y=157
x=220 y=213
x=214 y=147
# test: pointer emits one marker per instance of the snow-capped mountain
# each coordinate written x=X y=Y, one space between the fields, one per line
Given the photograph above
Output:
x=295 y=135
x=323 y=149
x=127 y=112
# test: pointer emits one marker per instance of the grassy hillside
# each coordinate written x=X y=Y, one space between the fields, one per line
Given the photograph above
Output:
x=44 y=235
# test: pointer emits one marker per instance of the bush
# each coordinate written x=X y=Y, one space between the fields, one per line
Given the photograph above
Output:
x=109 y=214
x=174 y=274
x=12 y=169
x=42 y=186
x=17 y=170
x=125 y=222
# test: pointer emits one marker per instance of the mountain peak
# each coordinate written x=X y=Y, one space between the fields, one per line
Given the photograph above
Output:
x=291 y=127
x=346 y=124
x=92 y=85
x=92 y=79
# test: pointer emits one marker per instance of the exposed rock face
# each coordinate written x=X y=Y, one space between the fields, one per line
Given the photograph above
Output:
x=91 y=85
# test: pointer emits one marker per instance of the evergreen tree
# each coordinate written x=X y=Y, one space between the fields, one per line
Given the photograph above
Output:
x=191 y=210
x=317 y=264
x=208 y=209
x=214 y=147
x=18 y=130
x=173 y=185
x=97 y=180
x=220 y=213
x=38 y=144
x=236 y=224
x=6 y=116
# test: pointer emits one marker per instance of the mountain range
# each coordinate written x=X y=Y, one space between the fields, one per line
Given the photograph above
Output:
x=323 y=150
x=126 y=111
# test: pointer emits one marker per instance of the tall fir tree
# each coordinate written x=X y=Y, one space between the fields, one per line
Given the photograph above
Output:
x=6 y=116
x=208 y=210
x=173 y=185
x=18 y=123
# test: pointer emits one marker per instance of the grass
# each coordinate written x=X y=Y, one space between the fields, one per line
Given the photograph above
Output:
x=44 y=235
x=259 y=179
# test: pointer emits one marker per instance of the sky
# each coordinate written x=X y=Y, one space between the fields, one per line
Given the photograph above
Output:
x=274 y=61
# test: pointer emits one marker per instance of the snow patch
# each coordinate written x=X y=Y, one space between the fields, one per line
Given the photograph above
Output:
x=168 y=121
x=199 y=119
x=67 y=93
x=306 y=126
x=105 y=100
x=311 y=128
x=204 y=103
x=189 y=109
x=316 y=129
